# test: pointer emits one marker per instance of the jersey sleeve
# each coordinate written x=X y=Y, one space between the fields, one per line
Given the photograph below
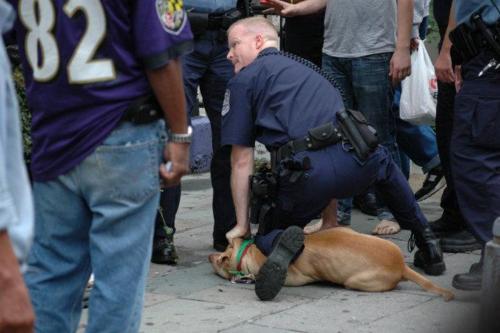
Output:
x=238 y=125
x=161 y=31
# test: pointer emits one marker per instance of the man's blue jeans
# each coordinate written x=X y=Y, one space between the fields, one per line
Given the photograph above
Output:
x=98 y=218
x=367 y=87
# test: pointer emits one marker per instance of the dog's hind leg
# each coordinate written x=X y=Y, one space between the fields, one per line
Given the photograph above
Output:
x=372 y=280
x=411 y=275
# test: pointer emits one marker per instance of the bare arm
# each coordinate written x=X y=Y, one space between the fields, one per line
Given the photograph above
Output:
x=305 y=7
x=16 y=313
x=400 y=66
x=169 y=90
x=443 y=64
x=241 y=169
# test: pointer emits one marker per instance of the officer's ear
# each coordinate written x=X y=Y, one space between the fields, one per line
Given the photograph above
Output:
x=259 y=41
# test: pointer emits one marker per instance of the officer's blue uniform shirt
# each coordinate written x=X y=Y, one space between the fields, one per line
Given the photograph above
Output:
x=274 y=100
x=489 y=10
x=209 y=6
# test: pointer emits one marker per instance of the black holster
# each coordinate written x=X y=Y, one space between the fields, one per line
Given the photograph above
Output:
x=143 y=111
x=358 y=132
x=468 y=42
x=263 y=194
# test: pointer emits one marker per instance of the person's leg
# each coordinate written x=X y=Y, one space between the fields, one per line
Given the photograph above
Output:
x=475 y=156
x=373 y=95
x=393 y=188
x=122 y=226
x=213 y=88
x=59 y=261
x=164 y=251
x=341 y=70
x=450 y=227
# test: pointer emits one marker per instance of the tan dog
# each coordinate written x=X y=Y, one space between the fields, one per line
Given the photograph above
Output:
x=338 y=255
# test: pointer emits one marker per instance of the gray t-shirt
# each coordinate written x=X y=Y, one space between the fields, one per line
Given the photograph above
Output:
x=356 y=28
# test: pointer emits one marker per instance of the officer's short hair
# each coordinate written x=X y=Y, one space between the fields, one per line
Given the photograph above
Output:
x=258 y=25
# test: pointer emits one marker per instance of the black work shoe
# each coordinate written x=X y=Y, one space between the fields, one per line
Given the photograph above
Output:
x=164 y=251
x=434 y=181
x=429 y=256
x=459 y=241
x=272 y=274
x=366 y=202
x=471 y=280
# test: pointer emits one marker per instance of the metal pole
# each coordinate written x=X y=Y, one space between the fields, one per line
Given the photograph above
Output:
x=490 y=295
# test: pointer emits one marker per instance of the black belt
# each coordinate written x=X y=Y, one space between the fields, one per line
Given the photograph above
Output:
x=468 y=42
x=313 y=141
x=143 y=111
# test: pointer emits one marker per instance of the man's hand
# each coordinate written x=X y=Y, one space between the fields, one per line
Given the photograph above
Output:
x=414 y=44
x=177 y=157
x=237 y=232
x=400 y=65
x=16 y=313
x=444 y=68
x=281 y=8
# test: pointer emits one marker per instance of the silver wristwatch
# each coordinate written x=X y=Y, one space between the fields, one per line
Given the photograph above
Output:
x=181 y=137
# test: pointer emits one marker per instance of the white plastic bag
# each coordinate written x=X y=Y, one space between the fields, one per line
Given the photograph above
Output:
x=419 y=90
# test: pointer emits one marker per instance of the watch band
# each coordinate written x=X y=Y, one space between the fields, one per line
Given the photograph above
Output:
x=181 y=137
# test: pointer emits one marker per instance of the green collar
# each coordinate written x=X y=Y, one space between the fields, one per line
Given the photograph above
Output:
x=241 y=253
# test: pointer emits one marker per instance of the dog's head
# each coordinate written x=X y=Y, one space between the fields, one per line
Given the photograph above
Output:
x=224 y=263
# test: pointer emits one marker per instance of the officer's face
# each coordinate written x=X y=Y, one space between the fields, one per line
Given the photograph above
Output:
x=243 y=47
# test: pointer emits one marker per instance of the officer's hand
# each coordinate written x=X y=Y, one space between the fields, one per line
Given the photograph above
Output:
x=444 y=68
x=414 y=44
x=237 y=232
x=177 y=160
x=283 y=8
x=400 y=65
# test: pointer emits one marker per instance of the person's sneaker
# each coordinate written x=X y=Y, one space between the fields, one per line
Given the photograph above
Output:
x=366 y=202
x=471 y=280
x=429 y=256
x=272 y=274
x=434 y=181
x=459 y=241
x=164 y=251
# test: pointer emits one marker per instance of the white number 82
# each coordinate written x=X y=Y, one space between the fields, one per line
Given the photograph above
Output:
x=82 y=68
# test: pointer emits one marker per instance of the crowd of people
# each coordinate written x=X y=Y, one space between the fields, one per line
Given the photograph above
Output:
x=111 y=86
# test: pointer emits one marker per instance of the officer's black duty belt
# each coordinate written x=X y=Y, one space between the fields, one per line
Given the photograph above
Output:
x=143 y=111
x=317 y=138
x=468 y=42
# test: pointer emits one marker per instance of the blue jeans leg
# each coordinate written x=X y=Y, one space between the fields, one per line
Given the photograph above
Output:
x=99 y=218
x=367 y=88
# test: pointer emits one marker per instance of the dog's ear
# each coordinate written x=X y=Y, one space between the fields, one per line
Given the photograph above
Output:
x=221 y=258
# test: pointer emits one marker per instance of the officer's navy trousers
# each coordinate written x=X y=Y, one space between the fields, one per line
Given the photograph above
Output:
x=475 y=147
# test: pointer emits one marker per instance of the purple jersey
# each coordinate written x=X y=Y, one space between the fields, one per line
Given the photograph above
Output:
x=84 y=63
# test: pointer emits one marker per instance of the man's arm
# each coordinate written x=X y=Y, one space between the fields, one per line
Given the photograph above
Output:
x=305 y=7
x=241 y=169
x=400 y=66
x=168 y=87
x=443 y=64
x=16 y=313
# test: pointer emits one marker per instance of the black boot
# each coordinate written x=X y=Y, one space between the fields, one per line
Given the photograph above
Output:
x=429 y=256
x=164 y=251
x=471 y=280
x=272 y=274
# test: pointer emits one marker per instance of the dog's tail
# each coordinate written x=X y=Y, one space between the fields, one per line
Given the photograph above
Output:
x=411 y=275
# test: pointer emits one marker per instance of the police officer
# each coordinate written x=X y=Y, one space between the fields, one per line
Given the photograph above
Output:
x=473 y=36
x=277 y=100
x=207 y=68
